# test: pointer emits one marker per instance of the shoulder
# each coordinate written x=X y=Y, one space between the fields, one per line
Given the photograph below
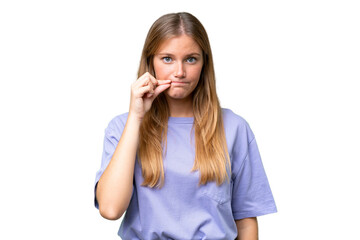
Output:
x=232 y=118
x=236 y=127
x=236 y=123
x=238 y=137
x=117 y=123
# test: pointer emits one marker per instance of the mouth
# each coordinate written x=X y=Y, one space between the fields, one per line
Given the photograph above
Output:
x=178 y=83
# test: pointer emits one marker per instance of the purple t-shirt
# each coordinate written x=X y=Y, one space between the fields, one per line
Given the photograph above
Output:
x=182 y=209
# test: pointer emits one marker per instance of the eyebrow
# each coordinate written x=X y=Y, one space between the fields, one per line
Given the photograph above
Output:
x=190 y=54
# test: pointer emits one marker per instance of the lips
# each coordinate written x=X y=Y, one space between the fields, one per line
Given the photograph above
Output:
x=178 y=82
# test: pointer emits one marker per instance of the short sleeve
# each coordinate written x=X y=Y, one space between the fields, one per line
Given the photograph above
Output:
x=251 y=195
x=112 y=136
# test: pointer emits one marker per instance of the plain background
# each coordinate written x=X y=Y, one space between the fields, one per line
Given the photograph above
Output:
x=290 y=68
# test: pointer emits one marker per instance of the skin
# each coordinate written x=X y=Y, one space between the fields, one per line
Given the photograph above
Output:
x=177 y=64
x=247 y=229
x=115 y=186
x=180 y=60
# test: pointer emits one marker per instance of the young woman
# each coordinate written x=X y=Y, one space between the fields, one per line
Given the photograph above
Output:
x=178 y=164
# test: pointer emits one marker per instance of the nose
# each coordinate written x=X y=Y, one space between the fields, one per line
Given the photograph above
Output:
x=179 y=71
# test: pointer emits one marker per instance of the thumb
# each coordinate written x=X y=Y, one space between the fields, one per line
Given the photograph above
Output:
x=159 y=89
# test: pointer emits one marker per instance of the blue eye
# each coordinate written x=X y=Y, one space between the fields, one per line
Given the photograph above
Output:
x=167 y=59
x=191 y=60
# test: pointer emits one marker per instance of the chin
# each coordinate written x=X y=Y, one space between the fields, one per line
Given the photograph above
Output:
x=177 y=96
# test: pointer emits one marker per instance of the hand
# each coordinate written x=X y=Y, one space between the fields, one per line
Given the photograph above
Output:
x=143 y=92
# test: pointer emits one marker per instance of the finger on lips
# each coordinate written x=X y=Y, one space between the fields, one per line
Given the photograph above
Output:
x=161 y=88
x=148 y=84
x=162 y=82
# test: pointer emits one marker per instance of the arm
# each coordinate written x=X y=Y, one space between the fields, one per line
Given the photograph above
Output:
x=247 y=229
x=115 y=186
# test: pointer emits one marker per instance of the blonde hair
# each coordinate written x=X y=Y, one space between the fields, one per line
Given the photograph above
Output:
x=211 y=153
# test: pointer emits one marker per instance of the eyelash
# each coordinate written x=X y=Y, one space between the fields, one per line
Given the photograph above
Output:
x=192 y=58
x=166 y=58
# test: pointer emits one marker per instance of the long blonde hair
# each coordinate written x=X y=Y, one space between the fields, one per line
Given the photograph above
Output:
x=211 y=153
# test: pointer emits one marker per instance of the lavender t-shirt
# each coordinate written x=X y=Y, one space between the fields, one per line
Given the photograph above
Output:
x=182 y=209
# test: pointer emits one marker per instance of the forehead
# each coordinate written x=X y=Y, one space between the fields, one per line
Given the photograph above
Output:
x=182 y=44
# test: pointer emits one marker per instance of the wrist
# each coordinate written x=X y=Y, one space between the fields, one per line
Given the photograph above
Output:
x=134 y=118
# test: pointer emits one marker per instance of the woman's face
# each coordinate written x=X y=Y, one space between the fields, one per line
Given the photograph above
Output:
x=179 y=59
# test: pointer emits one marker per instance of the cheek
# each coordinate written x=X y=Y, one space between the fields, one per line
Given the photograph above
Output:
x=162 y=72
x=195 y=73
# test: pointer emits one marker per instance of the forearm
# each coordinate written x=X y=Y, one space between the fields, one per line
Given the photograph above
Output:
x=115 y=186
x=247 y=229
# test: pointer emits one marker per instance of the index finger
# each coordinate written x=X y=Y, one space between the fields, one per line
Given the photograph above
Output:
x=153 y=79
x=162 y=82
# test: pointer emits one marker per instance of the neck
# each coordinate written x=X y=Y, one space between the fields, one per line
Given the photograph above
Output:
x=180 y=107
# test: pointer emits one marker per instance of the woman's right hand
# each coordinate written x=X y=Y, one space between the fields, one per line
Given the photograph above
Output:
x=143 y=92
